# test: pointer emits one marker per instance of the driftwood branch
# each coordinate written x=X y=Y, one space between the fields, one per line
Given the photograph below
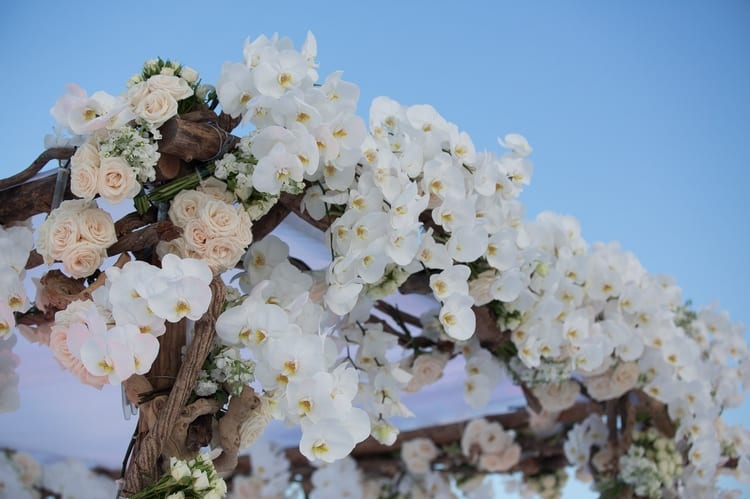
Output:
x=25 y=200
x=194 y=140
x=36 y=166
x=144 y=467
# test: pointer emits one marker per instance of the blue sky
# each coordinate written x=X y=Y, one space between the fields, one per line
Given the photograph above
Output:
x=638 y=112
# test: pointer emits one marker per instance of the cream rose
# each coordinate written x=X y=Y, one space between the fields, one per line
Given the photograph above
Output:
x=417 y=455
x=217 y=189
x=426 y=369
x=117 y=181
x=481 y=288
x=185 y=207
x=543 y=424
x=137 y=93
x=63 y=233
x=82 y=259
x=84 y=171
x=157 y=107
x=96 y=226
x=503 y=461
x=30 y=471
x=220 y=218
x=625 y=377
x=223 y=253
x=494 y=439
x=174 y=85
x=600 y=387
x=196 y=236
x=175 y=247
x=58 y=343
x=557 y=396
x=471 y=438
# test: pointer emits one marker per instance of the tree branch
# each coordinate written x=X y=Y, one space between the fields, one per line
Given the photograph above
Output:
x=36 y=166
x=144 y=467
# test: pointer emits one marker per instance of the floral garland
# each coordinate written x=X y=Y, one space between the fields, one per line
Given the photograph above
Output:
x=409 y=195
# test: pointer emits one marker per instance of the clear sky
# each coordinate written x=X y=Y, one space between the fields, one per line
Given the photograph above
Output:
x=638 y=111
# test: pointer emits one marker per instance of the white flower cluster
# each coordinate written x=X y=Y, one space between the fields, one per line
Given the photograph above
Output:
x=236 y=169
x=581 y=438
x=77 y=233
x=489 y=446
x=382 y=379
x=270 y=475
x=117 y=152
x=189 y=478
x=224 y=367
x=114 y=336
x=213 y=230
x=651 y=465
x=15 y=245
x=151 y=99
x=295 y=358
x=414 y=160
x=304 y=131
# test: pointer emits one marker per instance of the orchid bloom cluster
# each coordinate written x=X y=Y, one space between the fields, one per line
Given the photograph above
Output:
x=114 y=336
x=281 y=322
x=186 y=479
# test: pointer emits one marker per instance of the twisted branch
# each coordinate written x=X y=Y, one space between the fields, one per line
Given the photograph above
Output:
x=144 y=467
